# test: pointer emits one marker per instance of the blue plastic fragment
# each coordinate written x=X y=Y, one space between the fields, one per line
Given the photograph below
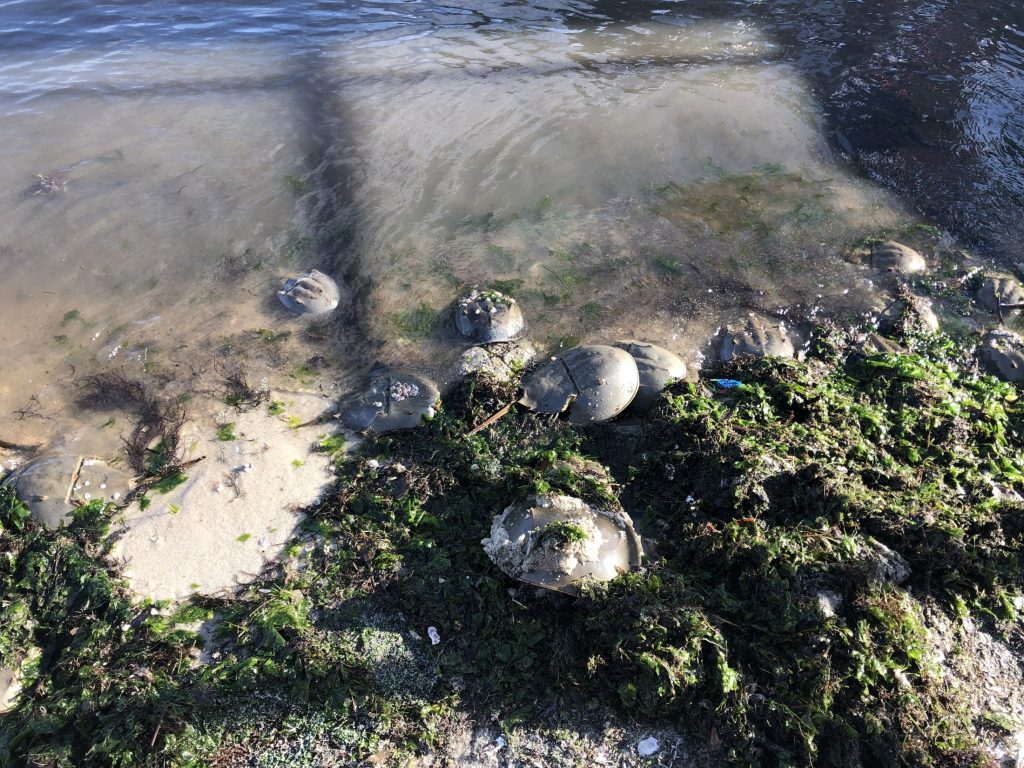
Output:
x=727 y=383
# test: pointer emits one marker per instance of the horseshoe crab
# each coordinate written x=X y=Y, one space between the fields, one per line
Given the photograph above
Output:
x=910 y=312
x=394 y=399
x=1002 y=352
x=1001 y=294
x=657 y=367
x=593 y=383
x=311 y=294
x=756 y=340
x=556 y=541
x=877 y=344
x=53 y=182
x=897 y=258
x=500 y=361
x=52 y=485
x=487 y=317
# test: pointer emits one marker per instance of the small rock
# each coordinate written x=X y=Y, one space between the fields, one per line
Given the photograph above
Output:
x=434 y=635
x=886 y=565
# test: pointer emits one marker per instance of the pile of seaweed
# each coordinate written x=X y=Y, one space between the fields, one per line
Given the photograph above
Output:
x=806 y=526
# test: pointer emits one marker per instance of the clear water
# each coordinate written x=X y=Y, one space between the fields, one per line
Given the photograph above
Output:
x=631 y=169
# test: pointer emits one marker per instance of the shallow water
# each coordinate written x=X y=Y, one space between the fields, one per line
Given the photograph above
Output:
x=629 y=170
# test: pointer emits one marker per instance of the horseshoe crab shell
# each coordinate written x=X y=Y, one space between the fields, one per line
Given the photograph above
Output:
x=594 y=383
x=756 y=340
x=52 y=485
x=393 y=399
x=657 y=367
x=1002 y=353
x=909 y=311
x=488 y=317
x=1000 y=289
x=556 y=541
x=897 y=258
x=311 y=294
x=877 y=344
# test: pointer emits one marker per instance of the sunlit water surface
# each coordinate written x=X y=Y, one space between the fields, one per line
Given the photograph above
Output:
x=646 y=170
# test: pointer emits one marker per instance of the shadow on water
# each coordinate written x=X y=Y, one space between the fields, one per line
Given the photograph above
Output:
x=923 y=96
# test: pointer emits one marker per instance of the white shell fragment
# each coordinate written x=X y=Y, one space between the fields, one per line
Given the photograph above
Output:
x=593 y=383
x=489 y=316
x=555 y=541
x=758 y=339
x=893 y=257
x=393 y=399
x=657 y=368
x=311 y=294
x=647 y=747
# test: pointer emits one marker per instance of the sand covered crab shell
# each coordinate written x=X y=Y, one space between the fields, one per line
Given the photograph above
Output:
x=593 y=383
x=1002 y=353
x=499 y=361
x=909 y=311
x=657 y=368
x=877 y=344
x=488 y=317
x=999 y=290
x=393 y=399
x=53 y=484
x=556 y=541
x=756 y=340
x=897 y=258
x=311 y=294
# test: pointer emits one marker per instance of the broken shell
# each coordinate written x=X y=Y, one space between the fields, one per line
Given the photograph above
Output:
x=593 y=382
x=756 y=340
x=393 y=400
x=556 y=541
x=1002 y=353
x=311 y=294
x=487 y=317
x=894 y=257
x=49 y=485
x=1000 y=289
x=657 y=368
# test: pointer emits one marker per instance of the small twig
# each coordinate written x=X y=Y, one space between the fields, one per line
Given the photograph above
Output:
x=323 y=418
x=152 y=742
x=74 y=479
x=490 y=420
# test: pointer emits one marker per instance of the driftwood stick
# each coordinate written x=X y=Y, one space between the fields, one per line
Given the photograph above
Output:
x=490 y=420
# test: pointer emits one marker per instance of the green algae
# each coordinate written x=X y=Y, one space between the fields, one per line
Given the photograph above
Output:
x=865 y=479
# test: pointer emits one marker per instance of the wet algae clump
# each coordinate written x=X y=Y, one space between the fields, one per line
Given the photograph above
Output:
x=809 y=526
